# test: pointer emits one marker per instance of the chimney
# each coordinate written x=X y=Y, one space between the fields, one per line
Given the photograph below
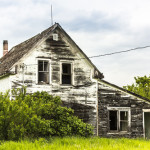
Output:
x=5 y=47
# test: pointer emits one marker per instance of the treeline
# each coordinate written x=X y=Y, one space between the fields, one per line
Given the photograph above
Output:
x=141 y=86
x=37 y=115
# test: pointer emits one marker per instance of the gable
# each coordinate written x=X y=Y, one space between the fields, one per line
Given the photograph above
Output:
x=56 y=53
x=19 y=51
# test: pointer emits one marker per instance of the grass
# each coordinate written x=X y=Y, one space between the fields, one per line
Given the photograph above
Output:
x=77 y=143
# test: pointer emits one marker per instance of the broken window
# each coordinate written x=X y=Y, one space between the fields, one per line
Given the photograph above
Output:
x=119 y=119
x=113 y=120
x=66 y=73
x=43 y=72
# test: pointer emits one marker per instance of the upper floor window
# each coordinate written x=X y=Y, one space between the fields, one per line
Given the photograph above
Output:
x=66 y=76
x=119 y=119
x=43 y=72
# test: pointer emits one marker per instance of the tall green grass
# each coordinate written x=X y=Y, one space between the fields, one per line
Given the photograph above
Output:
x=77 y=143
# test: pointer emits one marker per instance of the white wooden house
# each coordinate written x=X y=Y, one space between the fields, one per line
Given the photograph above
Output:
x=51 y=61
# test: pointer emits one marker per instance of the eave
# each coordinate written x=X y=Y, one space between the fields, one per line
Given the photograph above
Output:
x=7 y=73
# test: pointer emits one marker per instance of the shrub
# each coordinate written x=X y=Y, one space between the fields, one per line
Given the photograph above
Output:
x=37 y=115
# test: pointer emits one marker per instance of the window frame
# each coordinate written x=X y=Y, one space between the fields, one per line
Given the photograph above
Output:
x=120 y=109
x=71 y=70
x=49 y=71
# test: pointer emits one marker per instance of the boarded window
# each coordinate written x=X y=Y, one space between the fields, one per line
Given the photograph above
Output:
x=43 y=72
x=119 y=119
x=66 y=73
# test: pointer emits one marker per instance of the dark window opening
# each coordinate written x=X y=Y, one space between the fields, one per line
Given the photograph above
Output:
x=16 y=69
x=113 y=120
x=43 y=72
x=66 y=73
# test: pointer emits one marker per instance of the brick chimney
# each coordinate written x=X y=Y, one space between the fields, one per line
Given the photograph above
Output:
x=5 y=47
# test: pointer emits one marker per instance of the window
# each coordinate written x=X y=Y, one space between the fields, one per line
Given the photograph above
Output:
x=66 y=73
x=123 y=120
x=16 y=69
x=113 y=120
x=43 y=72
x=119 y=119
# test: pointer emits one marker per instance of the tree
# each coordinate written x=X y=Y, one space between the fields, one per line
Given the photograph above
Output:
x=141 y=86
x=38 y=115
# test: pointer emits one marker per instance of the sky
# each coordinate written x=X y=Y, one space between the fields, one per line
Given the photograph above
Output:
x=97 y=26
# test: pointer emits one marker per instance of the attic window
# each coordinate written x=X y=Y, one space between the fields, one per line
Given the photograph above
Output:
x=55 y=37
x=43 y=72
x=66 y=73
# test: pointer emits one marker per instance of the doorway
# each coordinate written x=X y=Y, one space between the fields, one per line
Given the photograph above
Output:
x=147 y=125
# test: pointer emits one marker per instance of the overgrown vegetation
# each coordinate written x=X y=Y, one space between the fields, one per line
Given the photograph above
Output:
x=38 y=115
x=78 y=143
x=141 y=86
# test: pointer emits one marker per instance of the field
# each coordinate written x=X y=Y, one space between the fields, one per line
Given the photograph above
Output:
x=77 y=143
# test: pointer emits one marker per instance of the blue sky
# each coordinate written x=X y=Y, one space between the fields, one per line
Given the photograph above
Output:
x=97 y=26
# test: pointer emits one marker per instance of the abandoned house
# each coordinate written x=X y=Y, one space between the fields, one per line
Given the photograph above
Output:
x=51 y=61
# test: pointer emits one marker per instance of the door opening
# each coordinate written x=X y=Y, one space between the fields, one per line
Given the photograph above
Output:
x=147 y=125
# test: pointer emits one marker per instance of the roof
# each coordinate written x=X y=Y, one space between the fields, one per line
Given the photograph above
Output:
x=126 y=91
x=18 y=51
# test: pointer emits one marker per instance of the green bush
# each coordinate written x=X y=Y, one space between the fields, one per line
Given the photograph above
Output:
x=37 y=115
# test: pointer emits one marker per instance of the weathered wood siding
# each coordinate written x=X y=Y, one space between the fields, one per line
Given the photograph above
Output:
x=83 y=111
x=112 y=97
x=83 y=90
x=5 y=84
